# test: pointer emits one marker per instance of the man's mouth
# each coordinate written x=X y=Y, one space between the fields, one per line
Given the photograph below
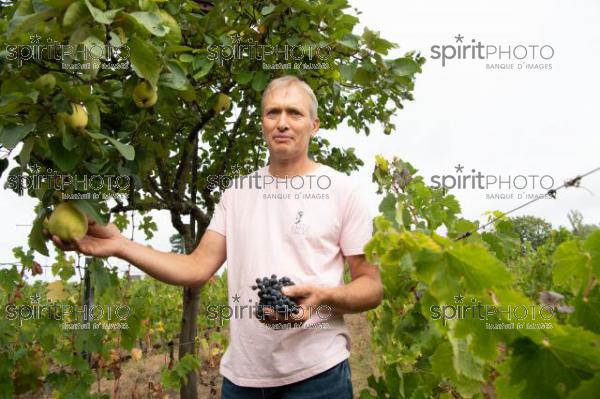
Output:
x=280 y=138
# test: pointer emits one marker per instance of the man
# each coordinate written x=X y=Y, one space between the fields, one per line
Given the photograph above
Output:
x=293 y=218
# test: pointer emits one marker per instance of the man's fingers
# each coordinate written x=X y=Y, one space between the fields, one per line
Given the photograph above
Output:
x=296 y=290
x=64 y=246
x=77 y=244
x=58 y=242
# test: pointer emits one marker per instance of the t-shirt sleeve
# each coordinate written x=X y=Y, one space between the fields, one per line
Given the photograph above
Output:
x=217 y=223
x=357 y=224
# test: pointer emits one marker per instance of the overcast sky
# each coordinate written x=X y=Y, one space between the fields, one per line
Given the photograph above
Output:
x=501 y=123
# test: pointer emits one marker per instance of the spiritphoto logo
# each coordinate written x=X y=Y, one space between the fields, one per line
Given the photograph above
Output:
x=51 y=179
x=79 y=317
x=524 y=184
x=288 y=56
x=496 y=317
x=220 y=313
x=90 y=54
x=527 y=56
x=268 y=182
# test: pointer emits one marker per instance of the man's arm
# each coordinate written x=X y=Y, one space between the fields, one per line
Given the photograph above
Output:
x=364 y=292
x=191 y=270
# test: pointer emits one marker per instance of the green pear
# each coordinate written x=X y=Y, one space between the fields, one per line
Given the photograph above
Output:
x=77 y=120
x=144 y=96
x=222 y=104
x=67 y=222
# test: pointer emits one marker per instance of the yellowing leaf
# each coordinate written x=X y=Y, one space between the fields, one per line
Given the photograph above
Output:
x=56 y=291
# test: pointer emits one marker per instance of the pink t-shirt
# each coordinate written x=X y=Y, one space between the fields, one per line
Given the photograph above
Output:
x=301 y=228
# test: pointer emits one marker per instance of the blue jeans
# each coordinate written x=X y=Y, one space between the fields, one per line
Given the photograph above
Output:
x=333 y=383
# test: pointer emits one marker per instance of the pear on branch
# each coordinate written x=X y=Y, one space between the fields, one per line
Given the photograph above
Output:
x=222 y=104
x=144 y=96
x=67 y=222
x=78 y=119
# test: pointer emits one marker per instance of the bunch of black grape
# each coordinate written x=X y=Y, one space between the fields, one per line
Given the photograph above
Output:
x=269 y=292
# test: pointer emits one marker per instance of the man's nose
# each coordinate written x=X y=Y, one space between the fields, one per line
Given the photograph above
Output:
x=282 y=122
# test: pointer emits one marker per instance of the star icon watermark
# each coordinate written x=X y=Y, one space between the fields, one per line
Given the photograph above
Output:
x=35 y=298
x=236 y=298
x=459 y=168
x=459 y=38
x=459 y=298
x=235 y=38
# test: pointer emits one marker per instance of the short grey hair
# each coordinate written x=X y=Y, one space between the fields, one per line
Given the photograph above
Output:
x=288 y=80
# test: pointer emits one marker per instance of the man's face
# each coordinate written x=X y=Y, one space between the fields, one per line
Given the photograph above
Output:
x=286 y=122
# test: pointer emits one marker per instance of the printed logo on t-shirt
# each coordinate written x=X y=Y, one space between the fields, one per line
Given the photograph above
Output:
x=297 y=227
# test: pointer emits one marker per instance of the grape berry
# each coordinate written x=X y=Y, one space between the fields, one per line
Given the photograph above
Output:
x=269 y=292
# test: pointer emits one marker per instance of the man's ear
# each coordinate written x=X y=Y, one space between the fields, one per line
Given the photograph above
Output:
x=316 y=125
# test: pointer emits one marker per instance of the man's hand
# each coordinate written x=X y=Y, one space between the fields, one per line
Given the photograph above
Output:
x=102 y=241
x=309 y=297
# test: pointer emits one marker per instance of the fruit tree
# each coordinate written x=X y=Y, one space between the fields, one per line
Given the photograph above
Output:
x=163 y=95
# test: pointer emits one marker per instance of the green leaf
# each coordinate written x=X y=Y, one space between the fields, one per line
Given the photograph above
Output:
x=266 y=10
x=36 y=239
x=388 y=207
x=587 y=389
x=176 y=78
x=103 y=17
x=465 y=362
x=151 y=21
x=260 y=80
x=25 y=154
x=75 y=13
x=592 y=246
x=442 y=364
x=243 y=77
x=90 y=208
x=203 y=67
x=571 y=266
x=68 y=140
x=477 y=268
x=23 y=23
x=63 y=267
x=375 y=42
x=10 y=136
x=363 y=77
x=93 y=115
x=347 y=71
x=350 y=41
x=405 y=67
x=547 y=371
x=126 y=150
x=587 y=310
x=63 y=158
x=145 y=60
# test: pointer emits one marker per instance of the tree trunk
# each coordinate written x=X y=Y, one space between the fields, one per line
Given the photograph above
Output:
x=188 y=333
x=187 y=339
